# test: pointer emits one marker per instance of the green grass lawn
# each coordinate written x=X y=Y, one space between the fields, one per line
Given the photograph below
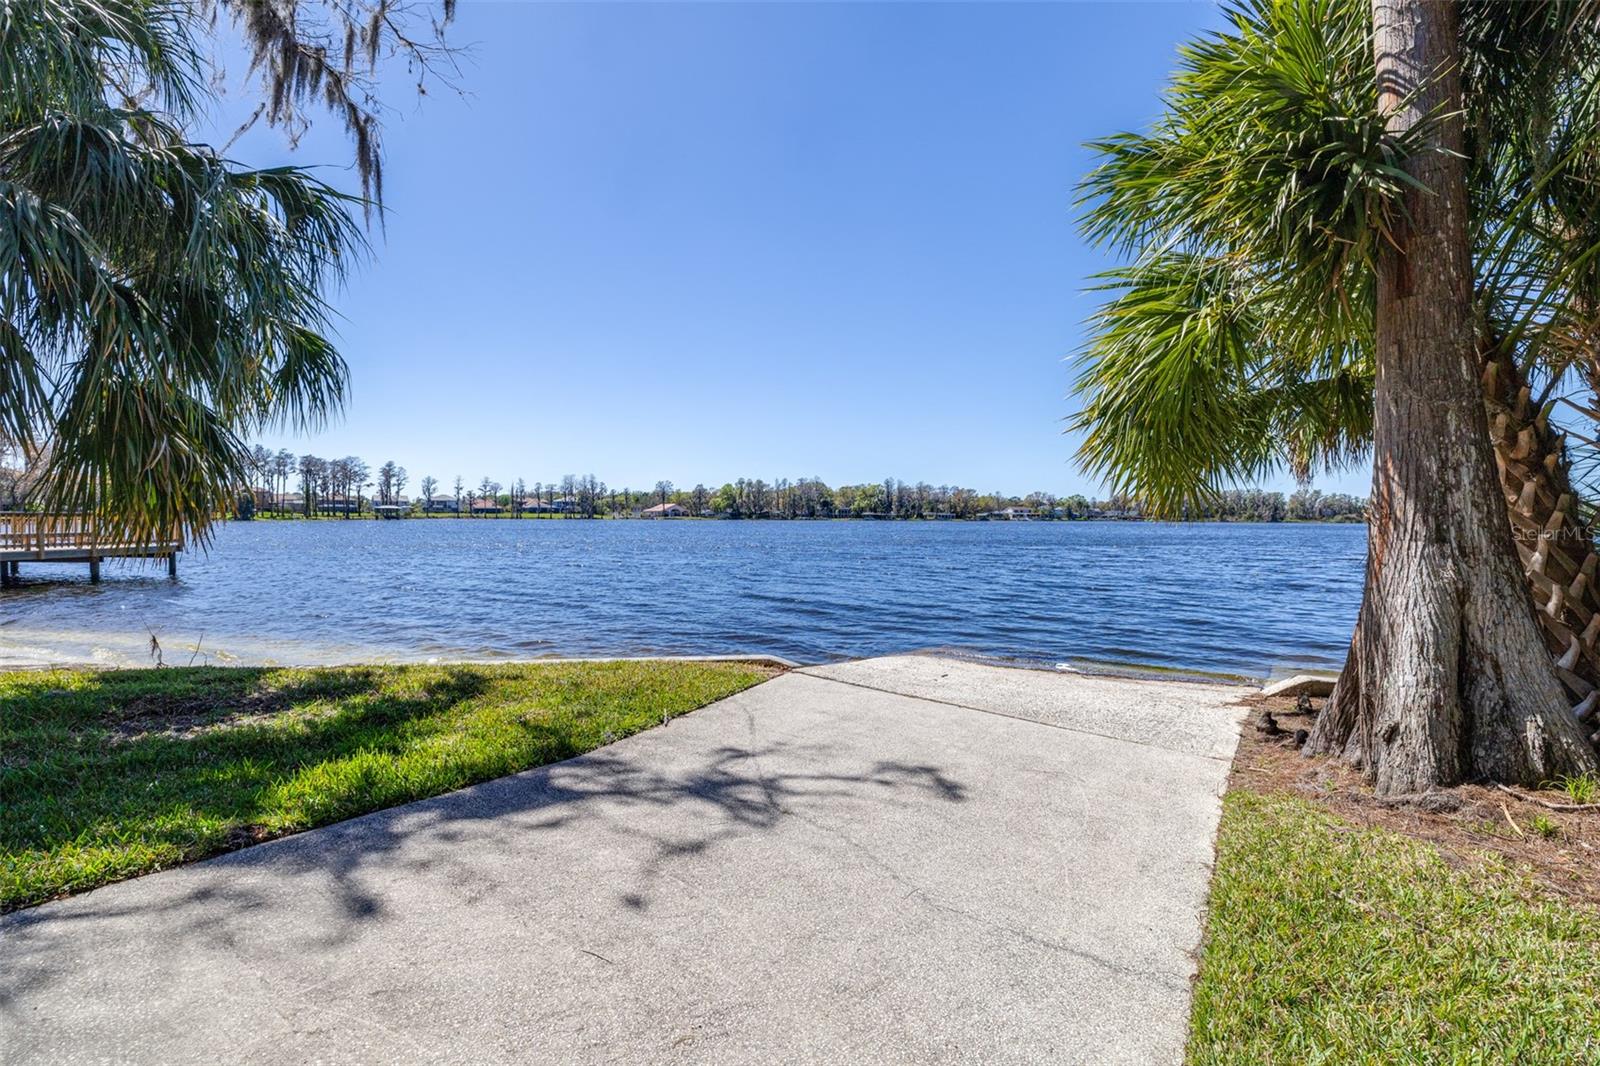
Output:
x=106 y=775
x=1328 y=943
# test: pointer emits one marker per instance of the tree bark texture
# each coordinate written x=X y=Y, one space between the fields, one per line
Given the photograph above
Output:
x=1448 y=676
x=1554 y=543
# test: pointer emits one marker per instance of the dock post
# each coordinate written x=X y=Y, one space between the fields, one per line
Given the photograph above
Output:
x=94 y=569
x=172 y=564
x=5 y=575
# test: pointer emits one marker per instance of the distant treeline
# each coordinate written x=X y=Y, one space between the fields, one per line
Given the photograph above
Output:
x=1307 y=505
x=309 y=485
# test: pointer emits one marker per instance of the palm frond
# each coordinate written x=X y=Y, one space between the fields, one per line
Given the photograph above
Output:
x=160 y=302
x=1185 y=394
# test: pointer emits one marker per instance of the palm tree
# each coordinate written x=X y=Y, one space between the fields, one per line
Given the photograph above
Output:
x=160 y=303
x=358 y=475
x=1318 y=271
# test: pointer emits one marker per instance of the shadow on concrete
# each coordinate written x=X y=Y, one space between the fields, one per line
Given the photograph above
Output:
x=694 y=805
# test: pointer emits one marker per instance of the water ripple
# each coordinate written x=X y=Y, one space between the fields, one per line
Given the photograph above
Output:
x=1232 y=598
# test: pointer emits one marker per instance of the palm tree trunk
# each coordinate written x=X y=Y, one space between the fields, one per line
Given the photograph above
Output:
x=1448 y=676
x=1554 y=543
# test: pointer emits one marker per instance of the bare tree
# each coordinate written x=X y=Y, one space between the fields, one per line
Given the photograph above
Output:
x=311 y=470
x=358 y=477
x=333 y=52
x=488 y=490
x=386 y=482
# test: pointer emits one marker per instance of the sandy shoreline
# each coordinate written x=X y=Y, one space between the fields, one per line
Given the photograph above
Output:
x=768 y=660
x=30 y=649
x=23 y=648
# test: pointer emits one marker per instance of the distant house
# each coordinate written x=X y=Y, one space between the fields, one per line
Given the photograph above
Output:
x=278 y=501
x=441 y=505
x=530 y=505
x=1018 y=514
x=390 y=510
x=664 y=510
x=565 y=505
x=338 y=505
x=486 y=507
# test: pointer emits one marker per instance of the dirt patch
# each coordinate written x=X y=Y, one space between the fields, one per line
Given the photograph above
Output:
x=1559 y=849
x=184 y=716
x=191 y=712
x=242 y=836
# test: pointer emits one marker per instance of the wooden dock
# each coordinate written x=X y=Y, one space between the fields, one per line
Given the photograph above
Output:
x=40 y=538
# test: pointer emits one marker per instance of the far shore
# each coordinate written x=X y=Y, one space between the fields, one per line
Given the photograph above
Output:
x=506 y=516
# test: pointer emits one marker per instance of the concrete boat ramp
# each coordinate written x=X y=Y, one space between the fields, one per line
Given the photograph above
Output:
x=906 y=859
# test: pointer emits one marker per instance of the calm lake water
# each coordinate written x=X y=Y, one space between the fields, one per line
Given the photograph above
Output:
x=1246 y=599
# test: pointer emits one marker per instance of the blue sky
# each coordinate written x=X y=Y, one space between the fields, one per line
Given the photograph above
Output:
x=705 y=241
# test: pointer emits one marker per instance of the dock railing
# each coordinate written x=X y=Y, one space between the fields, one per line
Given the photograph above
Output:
x=44 y=537
x=28 y=531
x=29 y=537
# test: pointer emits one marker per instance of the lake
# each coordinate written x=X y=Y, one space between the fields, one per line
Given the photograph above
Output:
x=1257 y=600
